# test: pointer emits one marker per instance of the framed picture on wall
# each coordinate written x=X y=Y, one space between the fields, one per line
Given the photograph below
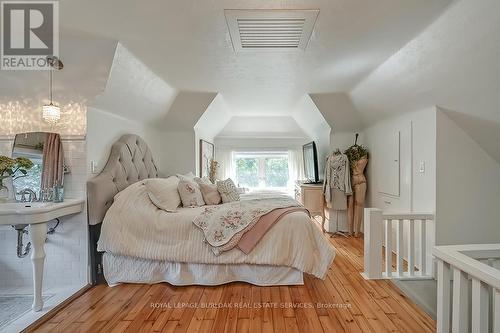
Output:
x=207 y=153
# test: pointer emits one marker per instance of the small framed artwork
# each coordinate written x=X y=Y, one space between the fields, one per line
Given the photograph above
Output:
x=207 y=153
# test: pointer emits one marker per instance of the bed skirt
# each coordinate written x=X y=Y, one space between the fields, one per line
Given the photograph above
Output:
x=121 y=269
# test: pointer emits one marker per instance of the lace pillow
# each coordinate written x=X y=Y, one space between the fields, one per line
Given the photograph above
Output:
x=228 y=191
x=190 y=194
x=163 y=193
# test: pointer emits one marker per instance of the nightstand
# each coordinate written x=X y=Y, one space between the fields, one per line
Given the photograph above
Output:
x=311 y=196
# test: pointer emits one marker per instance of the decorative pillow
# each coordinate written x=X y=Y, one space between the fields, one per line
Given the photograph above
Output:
x=210 y=194
x=228 y=191
x=203 y=180
x=163 y=192
x=190 y=194
x=188 y=177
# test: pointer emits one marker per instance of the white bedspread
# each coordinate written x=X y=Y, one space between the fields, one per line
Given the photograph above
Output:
x=134 y=227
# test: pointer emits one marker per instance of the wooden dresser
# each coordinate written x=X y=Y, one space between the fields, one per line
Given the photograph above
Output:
x=311 y=196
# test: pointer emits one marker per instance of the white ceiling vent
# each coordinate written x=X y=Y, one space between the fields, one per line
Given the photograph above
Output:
x=270 y=29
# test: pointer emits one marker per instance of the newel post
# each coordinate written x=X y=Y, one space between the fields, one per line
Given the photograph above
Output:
x=373 y=234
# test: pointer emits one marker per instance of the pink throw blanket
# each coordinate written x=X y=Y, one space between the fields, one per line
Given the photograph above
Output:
x=252 y=237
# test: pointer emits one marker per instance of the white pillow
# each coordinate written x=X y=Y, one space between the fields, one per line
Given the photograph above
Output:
x=190 y=194
x=228 y=191
x=204 y=180
x=163 y=192
x=189 y=177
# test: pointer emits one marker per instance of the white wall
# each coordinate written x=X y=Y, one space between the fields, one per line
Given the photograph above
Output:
x=175 y=151
x=262 y=127
x=345 y=139
x=103 y=129
x=248 y=144
x=338 y=111
x=211 y=122
x=452 y=63
x=468 y=188
x=417 y=145
x=133 y=91
x=316 y=127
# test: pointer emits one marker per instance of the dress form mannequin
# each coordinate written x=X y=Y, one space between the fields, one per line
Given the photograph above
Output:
x=356 y=202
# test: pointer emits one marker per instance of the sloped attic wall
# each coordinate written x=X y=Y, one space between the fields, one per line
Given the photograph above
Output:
x=467 y=188
x=210 y=123
x=260 y=133
x=315 y=126
x=87 y=61
x=137 y=101
x=342 y=116
x=134 y=98
x=133 y=91
x=454 y=64
x=339 y=111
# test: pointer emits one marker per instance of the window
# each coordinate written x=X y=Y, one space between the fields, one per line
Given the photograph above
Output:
x=262 y=169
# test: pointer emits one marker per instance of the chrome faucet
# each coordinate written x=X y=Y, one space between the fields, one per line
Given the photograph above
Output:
x=30 y=192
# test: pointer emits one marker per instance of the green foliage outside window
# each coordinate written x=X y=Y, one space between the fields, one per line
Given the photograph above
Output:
x=273 y=170
x=247 y=172
x=276 y=172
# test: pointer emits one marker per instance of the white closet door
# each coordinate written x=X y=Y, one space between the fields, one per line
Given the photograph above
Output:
x=390 y=164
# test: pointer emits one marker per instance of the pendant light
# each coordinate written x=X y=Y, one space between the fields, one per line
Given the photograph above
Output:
x=52 y=113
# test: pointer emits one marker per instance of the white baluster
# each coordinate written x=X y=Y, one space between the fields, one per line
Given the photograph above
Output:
x=480 y=306
x=460 y=312
x=423 y=248
x=388 y=248
x=443 y=297
x=411 y=248
x=496 y=311
x=400 y=250
x=373 y=233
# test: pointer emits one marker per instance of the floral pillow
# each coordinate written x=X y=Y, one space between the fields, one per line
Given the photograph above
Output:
x=210 y=194
x=228 y=191
x=190 y=194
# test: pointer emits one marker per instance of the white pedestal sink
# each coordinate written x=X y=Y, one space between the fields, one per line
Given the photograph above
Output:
x=36 y=215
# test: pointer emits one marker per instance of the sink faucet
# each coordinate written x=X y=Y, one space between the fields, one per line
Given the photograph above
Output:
x=30 y=192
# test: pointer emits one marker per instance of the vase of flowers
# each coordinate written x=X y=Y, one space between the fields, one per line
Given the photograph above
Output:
x=12 y=168
x=212 y=174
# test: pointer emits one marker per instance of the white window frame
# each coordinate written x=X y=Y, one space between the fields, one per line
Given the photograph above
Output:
x=262 y=155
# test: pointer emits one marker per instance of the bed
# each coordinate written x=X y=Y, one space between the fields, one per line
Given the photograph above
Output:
x=132 y=241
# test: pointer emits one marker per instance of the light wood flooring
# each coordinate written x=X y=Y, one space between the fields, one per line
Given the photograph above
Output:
x=343 y=302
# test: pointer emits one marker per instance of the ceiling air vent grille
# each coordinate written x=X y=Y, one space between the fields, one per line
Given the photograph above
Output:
x=270 y=29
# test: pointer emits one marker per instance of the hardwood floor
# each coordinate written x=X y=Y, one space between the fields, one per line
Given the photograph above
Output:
x=343 y=302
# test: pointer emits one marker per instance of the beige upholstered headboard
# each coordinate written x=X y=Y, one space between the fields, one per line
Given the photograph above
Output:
x=130 y=160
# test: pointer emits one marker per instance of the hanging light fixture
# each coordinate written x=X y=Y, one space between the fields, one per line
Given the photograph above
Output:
x=52 y=113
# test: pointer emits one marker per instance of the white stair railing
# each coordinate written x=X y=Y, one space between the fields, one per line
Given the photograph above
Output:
x=468 y=292
x=381 y=229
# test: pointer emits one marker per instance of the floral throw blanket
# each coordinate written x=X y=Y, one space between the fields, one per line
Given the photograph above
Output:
x=224 y=225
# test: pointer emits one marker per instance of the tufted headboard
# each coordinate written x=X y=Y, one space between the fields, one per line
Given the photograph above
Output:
x=130 y=160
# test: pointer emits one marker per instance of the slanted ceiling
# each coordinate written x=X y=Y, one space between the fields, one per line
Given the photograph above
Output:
x=270 y=29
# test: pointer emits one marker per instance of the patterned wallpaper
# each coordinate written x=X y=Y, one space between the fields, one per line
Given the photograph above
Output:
x=26 y=116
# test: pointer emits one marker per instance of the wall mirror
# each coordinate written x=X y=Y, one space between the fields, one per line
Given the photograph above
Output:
x=46 y=152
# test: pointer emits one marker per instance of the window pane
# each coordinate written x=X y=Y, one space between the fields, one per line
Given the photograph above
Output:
x=32 y=180
x=247 y=172
x=276 y=172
